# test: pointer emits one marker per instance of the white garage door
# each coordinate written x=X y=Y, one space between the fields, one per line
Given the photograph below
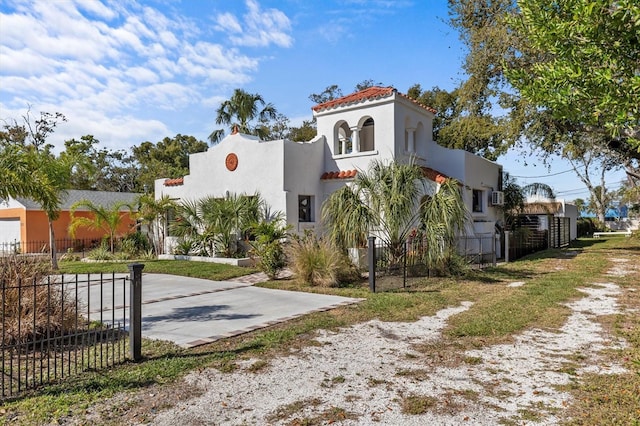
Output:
x=9 y=231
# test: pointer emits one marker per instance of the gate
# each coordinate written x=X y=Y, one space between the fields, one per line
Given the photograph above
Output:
x=559 y=232
x=61 y=326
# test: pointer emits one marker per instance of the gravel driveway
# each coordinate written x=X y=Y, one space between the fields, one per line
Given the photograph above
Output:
x=372 y=373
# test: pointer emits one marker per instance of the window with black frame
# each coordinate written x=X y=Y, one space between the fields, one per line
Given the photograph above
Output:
x=305 y=208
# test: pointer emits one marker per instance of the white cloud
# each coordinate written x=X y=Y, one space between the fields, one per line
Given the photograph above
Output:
x=142 y=75
x=24 y=61
x=96 y=8
x=228 y=23
x=259 y=28
x=118 y=67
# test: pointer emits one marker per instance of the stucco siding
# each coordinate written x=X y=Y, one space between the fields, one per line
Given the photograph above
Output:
x=260 y=168
x=15 y=213
x=37 y=226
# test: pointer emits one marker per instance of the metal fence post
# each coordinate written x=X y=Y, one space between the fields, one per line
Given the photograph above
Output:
x=506 y=246
x=135 y=310
x=371 y=252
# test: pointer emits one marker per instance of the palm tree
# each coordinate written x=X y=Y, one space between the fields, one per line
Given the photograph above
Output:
x=107 y=219
x=52 y=176
x=217 y=222
x=389 y=200
x=516 y=195
x=27 y=170
x=153 y=213
x=383 y=200
x=189 y=226
x=240 y=111
x=228 y=219
x=443 y=216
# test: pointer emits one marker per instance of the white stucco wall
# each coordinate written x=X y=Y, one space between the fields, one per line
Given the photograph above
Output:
x=571 y=211
x=303 y=168
x=260 y=169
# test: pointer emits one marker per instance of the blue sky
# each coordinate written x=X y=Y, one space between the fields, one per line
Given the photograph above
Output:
x=134 y=71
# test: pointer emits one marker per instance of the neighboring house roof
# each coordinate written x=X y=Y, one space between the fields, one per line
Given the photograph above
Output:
x=99 y=198
x=539 y=207
x=368 y=94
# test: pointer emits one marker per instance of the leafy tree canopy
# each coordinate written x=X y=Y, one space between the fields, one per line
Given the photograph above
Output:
x=454 y=126
x=584 y=63
x=168 y=158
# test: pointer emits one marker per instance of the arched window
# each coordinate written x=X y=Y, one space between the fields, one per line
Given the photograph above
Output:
x=342 y=140
x=367 y=132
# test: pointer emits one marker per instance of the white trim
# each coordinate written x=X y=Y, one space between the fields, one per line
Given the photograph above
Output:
x=355 y=154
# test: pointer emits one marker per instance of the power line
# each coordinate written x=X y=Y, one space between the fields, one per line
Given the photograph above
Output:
x=542 y=176
x=586 y=190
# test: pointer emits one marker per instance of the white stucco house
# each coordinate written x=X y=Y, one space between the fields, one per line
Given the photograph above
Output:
x=297 y=177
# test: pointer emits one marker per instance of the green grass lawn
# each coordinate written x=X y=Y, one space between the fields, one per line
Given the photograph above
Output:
x=211 y=271
x=498 y=312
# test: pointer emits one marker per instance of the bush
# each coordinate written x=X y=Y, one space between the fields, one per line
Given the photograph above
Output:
x=586 y=226
x=183 y=247
x=271 y=258
x=134 y=244
x=32 y=311
x=318 y=262
x=268 y=247
x=100 y=253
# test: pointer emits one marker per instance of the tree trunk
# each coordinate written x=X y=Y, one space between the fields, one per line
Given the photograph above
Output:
x=52 y=247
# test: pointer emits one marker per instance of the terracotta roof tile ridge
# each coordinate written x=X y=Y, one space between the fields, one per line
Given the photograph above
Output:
x=342 y=174
x=174 y=182
x=370 y=93
x=434 y=175
x=428 y=108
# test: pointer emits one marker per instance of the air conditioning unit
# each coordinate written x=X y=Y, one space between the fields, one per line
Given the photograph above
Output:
x=497 y=198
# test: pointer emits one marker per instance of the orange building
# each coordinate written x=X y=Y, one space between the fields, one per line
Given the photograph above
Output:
x=24 y=223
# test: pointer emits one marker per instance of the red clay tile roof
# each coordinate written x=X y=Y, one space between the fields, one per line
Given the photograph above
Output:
x=370 y=93
x=343 y=174
x=174 y=182
x=429 y=173
x=434 y=175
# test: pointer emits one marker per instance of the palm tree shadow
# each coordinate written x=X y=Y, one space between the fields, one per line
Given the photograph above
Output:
x=195 y=314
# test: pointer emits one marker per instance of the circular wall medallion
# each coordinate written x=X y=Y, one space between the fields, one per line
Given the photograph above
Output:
x=231 y=162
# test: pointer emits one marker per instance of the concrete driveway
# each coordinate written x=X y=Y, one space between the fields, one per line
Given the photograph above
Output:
x=194 y=311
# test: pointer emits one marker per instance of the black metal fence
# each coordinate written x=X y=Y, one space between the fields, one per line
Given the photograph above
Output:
x=63 y=245
x=398 y=266
x=534 y=233
x=64 y=325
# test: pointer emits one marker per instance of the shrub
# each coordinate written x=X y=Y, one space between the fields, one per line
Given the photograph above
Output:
x=268 y=247
x=135 y=243
x=318 y=262
x=586 y=226
x=31 y=310
x=100 y=253
x=184 y=246
x=271 y=258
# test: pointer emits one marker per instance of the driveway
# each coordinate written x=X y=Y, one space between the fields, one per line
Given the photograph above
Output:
x=193 y=311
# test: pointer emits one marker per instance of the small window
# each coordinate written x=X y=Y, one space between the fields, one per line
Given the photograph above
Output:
x=170 y=219
x=305 y=208
x=477 y=201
